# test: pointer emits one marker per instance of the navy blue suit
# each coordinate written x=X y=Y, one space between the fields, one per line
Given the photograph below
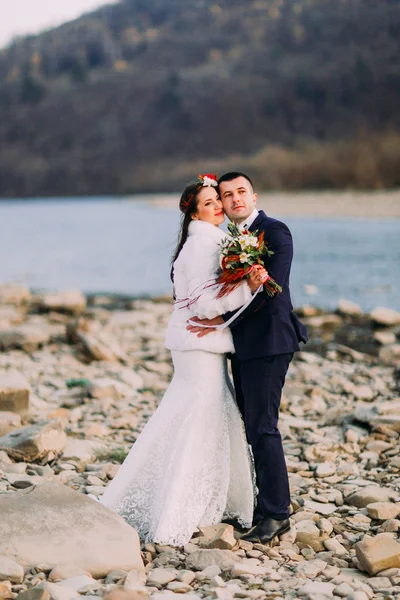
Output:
x=265 y=337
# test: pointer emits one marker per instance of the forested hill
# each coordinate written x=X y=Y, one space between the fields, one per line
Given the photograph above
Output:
x=140 y=95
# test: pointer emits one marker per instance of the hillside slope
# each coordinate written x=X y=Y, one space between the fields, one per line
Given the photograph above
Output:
x=139 y=95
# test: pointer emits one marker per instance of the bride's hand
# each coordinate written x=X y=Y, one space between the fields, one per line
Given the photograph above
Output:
x=256 y=278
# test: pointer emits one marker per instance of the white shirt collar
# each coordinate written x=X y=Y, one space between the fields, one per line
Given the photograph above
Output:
x=250 y=220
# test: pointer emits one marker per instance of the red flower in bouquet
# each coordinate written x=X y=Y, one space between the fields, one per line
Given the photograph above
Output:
x=240 y=251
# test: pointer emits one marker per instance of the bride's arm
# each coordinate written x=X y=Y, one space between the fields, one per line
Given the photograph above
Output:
x=201 y=262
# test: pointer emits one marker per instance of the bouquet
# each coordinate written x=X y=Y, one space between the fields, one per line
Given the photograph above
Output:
x=240 y=251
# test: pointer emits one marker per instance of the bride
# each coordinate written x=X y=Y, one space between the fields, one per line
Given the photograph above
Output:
x=191 y=466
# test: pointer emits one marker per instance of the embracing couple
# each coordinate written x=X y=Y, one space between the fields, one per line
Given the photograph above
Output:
x=212 y=451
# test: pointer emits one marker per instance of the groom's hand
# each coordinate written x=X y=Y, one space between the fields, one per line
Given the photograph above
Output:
x=202 y=331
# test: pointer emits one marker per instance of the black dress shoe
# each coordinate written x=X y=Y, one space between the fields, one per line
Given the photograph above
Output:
x=265 y=531
x=257 y=518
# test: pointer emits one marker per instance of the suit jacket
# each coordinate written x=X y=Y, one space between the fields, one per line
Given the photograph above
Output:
x=269 y=326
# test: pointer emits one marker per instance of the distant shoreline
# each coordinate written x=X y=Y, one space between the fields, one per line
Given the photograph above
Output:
x=308 y=204
x=323 y=204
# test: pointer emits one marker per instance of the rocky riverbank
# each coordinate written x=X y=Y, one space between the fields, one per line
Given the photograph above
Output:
x=79 y=377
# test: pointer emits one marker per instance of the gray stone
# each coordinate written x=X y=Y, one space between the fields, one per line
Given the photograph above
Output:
x=357 y=595
x=96 y=349
x=311 y=568
x=380 y=583
x=8 y=422
x=346 y=307
x=378 y=553
x=385 y=337
x=323 y=508
x=61 y=572
x=55 y=525
x=6 y=591
x=333 y=545
x=83 y=451
x=57 y=592
x=34 y=441
x=248 y=568
x=217 y=536
x=383 y=510
x=120 y=593
x=70 y=301
x=77 y=582
x=343 y=590
x=14 y=392
x=316 y=587
x=325 y=469
x=160 y=577
x=199 y=560
x=309 y=534
x=12 y=293
x=390 y=354
x=385 y=316
x=368 y=495
x=10 y=570
x=135 y=580
x=27 y=336
x=35 y=593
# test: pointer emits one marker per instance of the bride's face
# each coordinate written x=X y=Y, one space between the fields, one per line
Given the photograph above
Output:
x=209 y=207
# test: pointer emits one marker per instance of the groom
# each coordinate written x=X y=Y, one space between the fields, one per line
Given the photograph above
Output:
x=265 y=337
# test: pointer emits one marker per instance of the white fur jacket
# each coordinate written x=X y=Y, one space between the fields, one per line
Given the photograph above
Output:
x=198 y=263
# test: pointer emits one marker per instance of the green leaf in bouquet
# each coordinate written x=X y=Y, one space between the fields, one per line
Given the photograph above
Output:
x=233 y=229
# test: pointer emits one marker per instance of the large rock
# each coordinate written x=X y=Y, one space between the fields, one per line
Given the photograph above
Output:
x=6 y=591
x=14 y=392
x=9 y=315
x=385 y=316
x=120 y=593
x=379 y=413
x=200 y=559
x=346 y=307
x=385 y=337
x=28 y=336
x=8 y=422
x=71 y=301
x=55 y=525
x=390 y=355
x=11 y=293
x=10 y=570
x=97 y=349
x=35 y=593
x=217 y=536
x=378 y=553
x=83 y=451
x=308 y=534
x=364 y=496
x=324 y=322
x=317 y=590
x=35 y=441
x=58 y=592
x=383 y=510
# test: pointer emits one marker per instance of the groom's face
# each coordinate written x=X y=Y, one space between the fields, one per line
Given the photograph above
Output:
x=238 y=199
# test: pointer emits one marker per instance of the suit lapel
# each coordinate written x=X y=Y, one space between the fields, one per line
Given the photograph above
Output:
x=256 y=224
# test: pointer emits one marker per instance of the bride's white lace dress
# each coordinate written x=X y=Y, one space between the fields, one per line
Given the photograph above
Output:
x=190 y=465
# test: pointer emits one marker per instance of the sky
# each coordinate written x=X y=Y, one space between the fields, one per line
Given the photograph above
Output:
x=18 y=17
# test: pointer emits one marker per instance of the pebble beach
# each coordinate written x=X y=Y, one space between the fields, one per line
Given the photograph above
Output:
x=79 y=378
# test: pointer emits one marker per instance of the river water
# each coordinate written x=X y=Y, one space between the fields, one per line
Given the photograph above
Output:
x=124 y=246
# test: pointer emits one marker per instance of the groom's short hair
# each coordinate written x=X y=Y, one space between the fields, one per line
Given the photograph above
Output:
x=234 y=175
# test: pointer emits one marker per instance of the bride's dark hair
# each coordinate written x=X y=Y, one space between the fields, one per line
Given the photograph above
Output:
x=188 y=206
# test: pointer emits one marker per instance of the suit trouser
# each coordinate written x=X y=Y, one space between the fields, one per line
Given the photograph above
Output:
x=258 y=385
